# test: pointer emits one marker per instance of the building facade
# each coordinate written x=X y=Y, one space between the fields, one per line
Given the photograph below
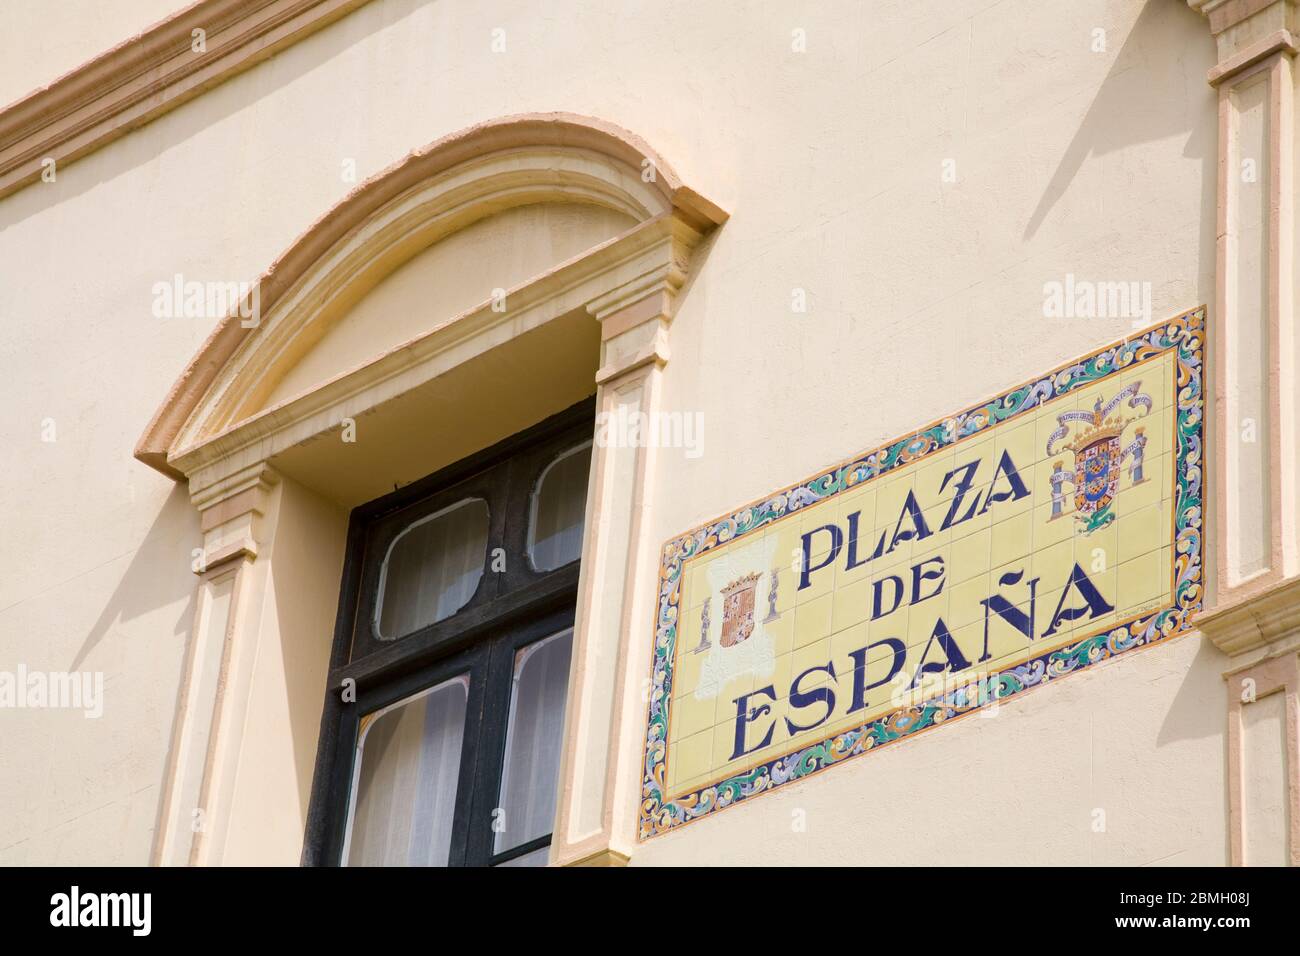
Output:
x=618 y=434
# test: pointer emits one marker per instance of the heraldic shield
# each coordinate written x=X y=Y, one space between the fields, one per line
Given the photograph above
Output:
x=1096 y=475
x=1097 y=455
x=738 y=610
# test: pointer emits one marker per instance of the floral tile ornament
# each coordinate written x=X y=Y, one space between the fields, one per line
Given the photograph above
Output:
x=1017 y=542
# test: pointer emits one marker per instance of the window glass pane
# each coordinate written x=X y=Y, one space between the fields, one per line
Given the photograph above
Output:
x=404 y=791
x=533 y=734
x=559 y=503
x=432 y=569
x=535 y=858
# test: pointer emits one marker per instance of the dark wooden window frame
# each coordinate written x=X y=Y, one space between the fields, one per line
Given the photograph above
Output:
x=508 y=610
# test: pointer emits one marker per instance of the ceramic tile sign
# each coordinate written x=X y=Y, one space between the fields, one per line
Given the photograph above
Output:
x=1017 y=542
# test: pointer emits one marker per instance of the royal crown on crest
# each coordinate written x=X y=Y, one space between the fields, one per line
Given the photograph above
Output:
x=1101 y=430
x=749 y=580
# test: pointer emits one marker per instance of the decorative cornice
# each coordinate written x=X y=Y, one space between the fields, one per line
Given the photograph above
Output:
x=1280 y=41
x=1226 y=14
x=661 y=283
x=256 y=480
x=231 y=515
x=634 y=320
x=1208 y=7
x=148 y=75
x=604 y=857
x=1263 y=622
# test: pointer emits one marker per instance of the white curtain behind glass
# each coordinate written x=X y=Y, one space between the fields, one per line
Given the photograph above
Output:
x=533 y=737
x=433 y=568
x=559 y=505
x=405 y=793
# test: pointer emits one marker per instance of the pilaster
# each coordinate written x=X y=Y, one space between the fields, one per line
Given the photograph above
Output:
x=236 y=517
x=1262 y=639
x=600 y=779
x=1254 y=452
x=1254 y=455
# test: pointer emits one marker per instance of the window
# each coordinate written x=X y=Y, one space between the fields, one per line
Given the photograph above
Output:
x=404 y=789
x=558 y=505
x=432 y=569
x=444 y=714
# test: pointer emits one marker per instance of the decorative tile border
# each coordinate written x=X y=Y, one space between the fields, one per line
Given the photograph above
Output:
x=1183 y=335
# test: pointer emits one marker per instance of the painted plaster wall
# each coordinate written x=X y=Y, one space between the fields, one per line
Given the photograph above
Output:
x=923 y=296
x=41 y=40
x=1264 y=764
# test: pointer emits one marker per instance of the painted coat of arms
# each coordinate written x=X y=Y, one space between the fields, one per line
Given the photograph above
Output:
x=738 y=610
x=1098 y=456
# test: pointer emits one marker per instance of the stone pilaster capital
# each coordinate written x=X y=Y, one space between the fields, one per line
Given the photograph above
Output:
x=1248 y=31
x=1265 y=625
x=1226 y=14
x=634 y=317
x=232 y=514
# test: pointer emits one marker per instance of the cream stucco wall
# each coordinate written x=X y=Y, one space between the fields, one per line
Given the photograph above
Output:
x=924 y=295
x=43 y=39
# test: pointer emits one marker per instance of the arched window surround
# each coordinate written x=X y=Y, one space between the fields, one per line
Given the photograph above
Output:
x=215 y=431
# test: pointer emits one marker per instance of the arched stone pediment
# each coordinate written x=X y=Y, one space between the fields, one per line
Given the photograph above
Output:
x=255 y=375
x=381 y=351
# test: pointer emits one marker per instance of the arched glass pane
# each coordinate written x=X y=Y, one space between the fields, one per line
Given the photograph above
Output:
x=432 y=569
x=559 y=505
x=533 y=736
x=408 y=769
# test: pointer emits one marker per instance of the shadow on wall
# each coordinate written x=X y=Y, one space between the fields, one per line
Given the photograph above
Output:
x=152 y=141
x=167 y=544
x=311 y=537
x=1199 y=710
x=1129 y=106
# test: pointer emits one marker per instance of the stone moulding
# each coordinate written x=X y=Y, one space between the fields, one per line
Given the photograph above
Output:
x=429 y=193
x=148 y=75
x=1266 y=623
